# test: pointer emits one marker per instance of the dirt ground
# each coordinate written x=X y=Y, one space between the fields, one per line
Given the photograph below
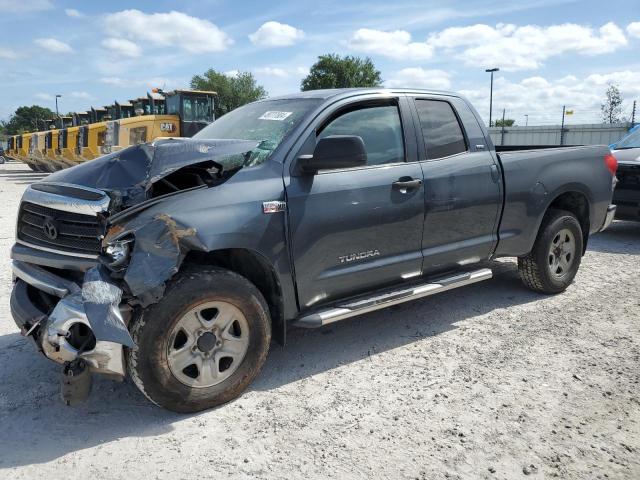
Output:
x=489 y=381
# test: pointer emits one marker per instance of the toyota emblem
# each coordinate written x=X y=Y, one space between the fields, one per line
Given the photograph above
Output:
x=50 y=229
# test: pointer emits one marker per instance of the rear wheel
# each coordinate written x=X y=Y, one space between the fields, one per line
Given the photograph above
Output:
x=553 y=262
x=203 y=343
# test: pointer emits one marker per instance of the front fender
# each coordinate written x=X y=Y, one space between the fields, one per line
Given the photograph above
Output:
x=227 y=216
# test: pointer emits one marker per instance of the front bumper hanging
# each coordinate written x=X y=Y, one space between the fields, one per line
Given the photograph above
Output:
x=95 y=307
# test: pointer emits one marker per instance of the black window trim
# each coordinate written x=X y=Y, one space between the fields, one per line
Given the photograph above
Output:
x=419 y=133
x=367 y=103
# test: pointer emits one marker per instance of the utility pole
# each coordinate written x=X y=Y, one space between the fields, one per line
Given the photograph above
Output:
x=57 y=114
x=633 y=115
x=562 y=127
x=491 y=70
x=526 y=116
x=502 y=131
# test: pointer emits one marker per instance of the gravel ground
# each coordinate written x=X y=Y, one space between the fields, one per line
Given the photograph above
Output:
x=489 y=381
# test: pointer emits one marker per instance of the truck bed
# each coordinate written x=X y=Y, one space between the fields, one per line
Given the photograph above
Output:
x=534 y=177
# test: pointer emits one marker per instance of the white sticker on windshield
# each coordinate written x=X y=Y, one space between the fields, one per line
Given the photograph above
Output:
x=273 y=115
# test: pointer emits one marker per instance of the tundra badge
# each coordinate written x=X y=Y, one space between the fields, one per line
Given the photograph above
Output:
x=359 y=256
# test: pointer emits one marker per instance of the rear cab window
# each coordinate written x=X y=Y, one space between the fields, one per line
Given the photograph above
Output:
x=441 y=130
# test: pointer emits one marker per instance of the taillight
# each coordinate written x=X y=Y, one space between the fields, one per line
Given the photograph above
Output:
x=611 y=163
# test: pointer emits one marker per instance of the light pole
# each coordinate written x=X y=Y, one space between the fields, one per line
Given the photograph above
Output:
x=57 y=114
x=491 y=70
x=526 y=116
x=562 y=126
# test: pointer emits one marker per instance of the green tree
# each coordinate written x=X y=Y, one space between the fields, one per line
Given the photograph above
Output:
x=333 y=71
x=508 y=122
x=27 y=119
x=612 y=106
x=233 y=90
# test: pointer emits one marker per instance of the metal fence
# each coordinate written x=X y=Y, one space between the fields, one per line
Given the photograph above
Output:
x=589 y=134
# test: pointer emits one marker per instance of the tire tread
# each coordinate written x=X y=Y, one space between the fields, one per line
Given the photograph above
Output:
x=136 y=364
x=529 y=265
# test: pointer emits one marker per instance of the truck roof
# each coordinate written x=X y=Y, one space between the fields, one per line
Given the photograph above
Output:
x=348 y=92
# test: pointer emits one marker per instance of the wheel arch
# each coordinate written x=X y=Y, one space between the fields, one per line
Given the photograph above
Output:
x=256 y=268
x=576 y=202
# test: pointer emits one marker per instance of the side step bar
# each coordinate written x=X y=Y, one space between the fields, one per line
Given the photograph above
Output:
x=358 y=307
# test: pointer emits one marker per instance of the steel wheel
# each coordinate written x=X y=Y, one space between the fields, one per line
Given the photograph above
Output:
x=208 y=344
x=562 y=253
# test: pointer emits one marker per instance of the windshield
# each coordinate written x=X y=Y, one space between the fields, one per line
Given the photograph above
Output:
x=267 y=122
x=630 y=141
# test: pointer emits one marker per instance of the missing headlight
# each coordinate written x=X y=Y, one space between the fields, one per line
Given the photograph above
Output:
x=117 y=253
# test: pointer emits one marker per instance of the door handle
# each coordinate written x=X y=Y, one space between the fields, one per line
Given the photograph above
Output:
x=407 y=183
x=495 y=174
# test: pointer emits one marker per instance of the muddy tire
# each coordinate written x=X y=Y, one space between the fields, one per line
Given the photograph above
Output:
x=553 y=262
x=203 y=343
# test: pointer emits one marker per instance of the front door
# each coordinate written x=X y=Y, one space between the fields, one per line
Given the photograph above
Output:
x=359 y=228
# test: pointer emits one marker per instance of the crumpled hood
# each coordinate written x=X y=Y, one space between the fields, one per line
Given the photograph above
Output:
x=128 y=174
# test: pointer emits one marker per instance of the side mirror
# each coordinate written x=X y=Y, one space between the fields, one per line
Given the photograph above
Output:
x=334 y=151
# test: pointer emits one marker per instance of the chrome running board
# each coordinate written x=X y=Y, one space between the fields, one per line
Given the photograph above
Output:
x=383 y=300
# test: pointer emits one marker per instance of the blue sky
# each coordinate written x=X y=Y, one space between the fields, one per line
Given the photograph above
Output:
x=551 y=53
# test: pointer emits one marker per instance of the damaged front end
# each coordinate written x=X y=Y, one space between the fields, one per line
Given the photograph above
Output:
x=68 y=321
x=85 y=262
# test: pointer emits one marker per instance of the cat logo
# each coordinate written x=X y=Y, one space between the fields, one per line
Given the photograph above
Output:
x=358 y=256
x=167 y=127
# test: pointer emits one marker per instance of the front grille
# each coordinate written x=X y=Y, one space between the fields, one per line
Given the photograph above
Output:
x=628 y=178
x=72 y=232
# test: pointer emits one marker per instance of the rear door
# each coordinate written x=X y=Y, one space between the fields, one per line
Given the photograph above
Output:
x=462 y=188
x=357 y=229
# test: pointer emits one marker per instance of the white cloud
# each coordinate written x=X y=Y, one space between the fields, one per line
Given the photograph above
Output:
x=164 y=83
x=44 y=96
x=633 y=29
x=272 y=71
x=115 y=81
x=418 y=77
x=123 y=47
x=396 y=44
x=53 y=45
x=275 y=34
x=80 y=95
x=7 y=54
x=282 y=72
x=512 y=47
x=73 y=13
x=542 y=99
x=25 y=6
x=172 y=30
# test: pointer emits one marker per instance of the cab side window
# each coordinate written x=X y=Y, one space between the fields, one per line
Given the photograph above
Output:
x=441 y=130
x=378 y=126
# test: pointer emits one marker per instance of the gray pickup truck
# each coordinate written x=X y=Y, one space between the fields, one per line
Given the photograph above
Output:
x=177 y=261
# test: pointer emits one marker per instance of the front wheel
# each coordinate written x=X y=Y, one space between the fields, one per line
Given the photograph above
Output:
x=203 y=343
x=553 y=262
